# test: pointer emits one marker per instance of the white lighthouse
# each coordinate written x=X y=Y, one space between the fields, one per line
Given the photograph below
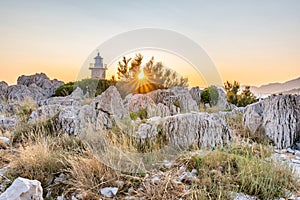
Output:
x=98 y=71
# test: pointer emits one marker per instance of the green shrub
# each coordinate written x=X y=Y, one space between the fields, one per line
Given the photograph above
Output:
x=210 y=95
x=64 y=90
x=93 y=87
x=241 y=100
x=142 y=114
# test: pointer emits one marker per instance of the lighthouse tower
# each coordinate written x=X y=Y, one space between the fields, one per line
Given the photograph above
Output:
x=98 y=71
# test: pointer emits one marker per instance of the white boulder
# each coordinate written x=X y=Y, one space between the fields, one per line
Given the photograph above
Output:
x=23 y=189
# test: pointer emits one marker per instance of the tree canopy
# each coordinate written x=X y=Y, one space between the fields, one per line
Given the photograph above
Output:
x=245 y=98
x=155 y=73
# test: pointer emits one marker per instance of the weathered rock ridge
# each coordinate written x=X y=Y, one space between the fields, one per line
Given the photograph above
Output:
x=277 y=118
x=190 y=129
x=34 y=87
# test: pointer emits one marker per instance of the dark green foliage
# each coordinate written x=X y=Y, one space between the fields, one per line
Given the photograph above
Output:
x=210 y=95
x=142 y=114
x=205 y=98
x=65 y=89
x=241 y=100
x=94 y=87
x=246 y=97
x=231 y=91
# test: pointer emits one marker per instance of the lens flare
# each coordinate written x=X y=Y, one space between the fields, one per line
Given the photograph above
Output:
x=141 y=75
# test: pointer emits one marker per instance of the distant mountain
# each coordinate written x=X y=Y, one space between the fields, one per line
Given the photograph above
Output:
x=289 y=87
x=293 y=91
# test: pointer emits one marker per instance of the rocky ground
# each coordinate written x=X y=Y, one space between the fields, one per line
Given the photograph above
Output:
x=175 y=118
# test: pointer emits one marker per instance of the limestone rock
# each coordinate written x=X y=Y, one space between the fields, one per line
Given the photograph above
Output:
x=74 y=99
x=139 y=102
x=189 y=129
x=177 y=99
x=23 y=189
x=18 y=93
x=3 y=89
x=7 y=123
x=10 y=109
x=184 y=99
x=5 y=140
x=222 y=100
x=52 y=106
x=78 y=120
x=110 y=102
x=277 y=118
x=163 y=110
x=201 y=129
x=196 y=94
x=44 y=112
x=109 y=192
x=68 y=120
x=92 y=119
x=72 y=117
x=42 y=81
x=35 y=87
x=146 y=131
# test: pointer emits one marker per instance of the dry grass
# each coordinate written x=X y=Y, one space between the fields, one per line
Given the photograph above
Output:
x=88 y=175
x=37 y=161
x=44 y=154
x=4 y=157
x=222 y=173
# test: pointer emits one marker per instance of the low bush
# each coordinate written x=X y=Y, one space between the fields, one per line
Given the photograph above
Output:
x=64 y=90
x=142 y=114
x=210 y=95
x=91 y=86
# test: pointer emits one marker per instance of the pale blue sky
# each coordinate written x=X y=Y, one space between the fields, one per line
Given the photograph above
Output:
x=241 y=37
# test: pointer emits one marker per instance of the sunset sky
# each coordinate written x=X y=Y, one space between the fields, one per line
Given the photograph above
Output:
x=251 y=41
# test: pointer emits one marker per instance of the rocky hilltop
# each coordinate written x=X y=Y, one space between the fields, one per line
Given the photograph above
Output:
x=175 y=111
x=35 y=87
x=168 y=116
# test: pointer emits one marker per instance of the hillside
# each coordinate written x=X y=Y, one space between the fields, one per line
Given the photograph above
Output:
x=288 y=87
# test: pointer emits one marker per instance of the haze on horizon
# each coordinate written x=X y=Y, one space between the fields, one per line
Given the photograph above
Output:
x=254 y=42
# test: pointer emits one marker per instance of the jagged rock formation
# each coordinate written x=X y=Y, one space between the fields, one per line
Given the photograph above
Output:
x=202 y=129
x=52 y=106
x=190 y=129
x=137 y=102
x=35 y=87
x=7 y=123
x=3 y=88
x=222 y=101
x=75 y=118
x=18 y=93
x=277 y=118
x=41 y=80
x=176 y=99
x=110 y=102
x=10 y=109
x=196 y=92
x=23 y=189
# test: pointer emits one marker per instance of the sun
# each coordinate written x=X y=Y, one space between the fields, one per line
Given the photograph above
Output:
x=141 y=75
